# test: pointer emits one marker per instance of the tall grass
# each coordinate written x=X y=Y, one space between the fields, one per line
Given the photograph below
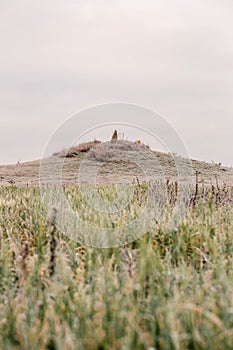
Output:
x=171 y=289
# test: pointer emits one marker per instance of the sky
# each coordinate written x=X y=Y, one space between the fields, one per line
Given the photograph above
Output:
x=59 y=57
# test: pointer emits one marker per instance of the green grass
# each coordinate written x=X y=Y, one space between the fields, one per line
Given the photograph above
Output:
x=171 y=289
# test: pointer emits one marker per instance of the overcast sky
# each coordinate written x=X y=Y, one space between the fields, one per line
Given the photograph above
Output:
x=61 y=56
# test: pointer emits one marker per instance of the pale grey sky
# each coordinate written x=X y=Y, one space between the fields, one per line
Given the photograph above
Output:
x=62 y=56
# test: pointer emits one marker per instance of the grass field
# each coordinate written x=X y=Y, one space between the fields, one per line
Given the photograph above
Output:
x=171 y=289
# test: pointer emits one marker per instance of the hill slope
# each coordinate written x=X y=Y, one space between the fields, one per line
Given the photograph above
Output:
x=112 y=170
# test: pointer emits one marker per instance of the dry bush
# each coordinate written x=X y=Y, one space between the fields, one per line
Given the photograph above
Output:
x=75 y=150
x=114 y=152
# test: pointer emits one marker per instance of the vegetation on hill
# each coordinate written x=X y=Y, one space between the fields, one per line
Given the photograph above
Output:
x=75 y=150
x=102 y=150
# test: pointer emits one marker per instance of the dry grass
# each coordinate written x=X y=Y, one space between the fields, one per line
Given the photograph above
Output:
x=171 y=289
x=116 y=151
x=75 y=150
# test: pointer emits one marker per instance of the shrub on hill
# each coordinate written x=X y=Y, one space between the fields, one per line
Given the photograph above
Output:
x=75 y=150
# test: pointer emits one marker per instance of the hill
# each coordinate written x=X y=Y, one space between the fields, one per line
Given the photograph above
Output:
x=113 y=166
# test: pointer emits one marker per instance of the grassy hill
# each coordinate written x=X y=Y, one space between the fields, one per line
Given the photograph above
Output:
x=172 y=288
x=112 y=169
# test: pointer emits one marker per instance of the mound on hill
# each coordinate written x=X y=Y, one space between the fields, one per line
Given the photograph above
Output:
x=75 y=150
x=103 y=151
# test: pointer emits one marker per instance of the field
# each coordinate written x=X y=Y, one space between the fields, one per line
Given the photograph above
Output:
x=170 y=289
